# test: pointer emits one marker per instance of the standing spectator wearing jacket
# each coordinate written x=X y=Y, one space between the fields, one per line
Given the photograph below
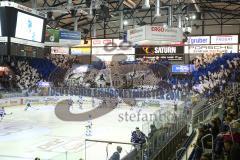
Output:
x=138 y=138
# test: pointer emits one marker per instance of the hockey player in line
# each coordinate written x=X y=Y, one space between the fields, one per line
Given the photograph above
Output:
x=80 y=102
x=89 y=126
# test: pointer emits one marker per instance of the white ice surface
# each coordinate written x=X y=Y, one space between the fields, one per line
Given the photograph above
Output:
x=25 y=135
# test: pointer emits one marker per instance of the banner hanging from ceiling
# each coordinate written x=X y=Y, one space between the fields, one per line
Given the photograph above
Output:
x=155 y=35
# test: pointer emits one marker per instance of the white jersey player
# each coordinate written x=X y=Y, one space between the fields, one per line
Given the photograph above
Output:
x=80 y=102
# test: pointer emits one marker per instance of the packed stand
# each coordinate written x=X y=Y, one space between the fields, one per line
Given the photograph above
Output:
x=225 y=131
x=62 y=61
x=205 y=59
x=214 y=76
x=26 y=76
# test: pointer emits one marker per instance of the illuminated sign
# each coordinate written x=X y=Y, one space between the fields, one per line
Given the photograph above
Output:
x=171 y=53
x=182 y=68
x=224 y=39
x=198 y=40
x=134 y=31
x=115 y=47
x=59 y=50
x=169 y=57
x=44 y=84
x=154 y=35
x=158 y=29
x=211 y=49
x=101 y=42
x=84 y=48
x=109 y=58
x=165 y=50
x=159 y=50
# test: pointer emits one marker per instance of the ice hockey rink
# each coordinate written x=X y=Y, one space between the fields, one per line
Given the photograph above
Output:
x=37 y=132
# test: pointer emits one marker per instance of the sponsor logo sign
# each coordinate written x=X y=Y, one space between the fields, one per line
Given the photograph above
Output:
x=182 y=68
x=159 y=50
x=137 y=34
x=52 y=35
x=163 y=35
x=211 y=49
x=101 y=42
x=171 y=53
x=84 y=48
x=198 y=40
x=224 y=39
x=59 y=50
x=135 y=31
x=158 y=29
x=3 y=39
x=113 y=47
x=109 y=58
x=70 y=37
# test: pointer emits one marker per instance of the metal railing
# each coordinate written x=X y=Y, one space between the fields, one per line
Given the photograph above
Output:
x=207 y=112
x=206 y=150
x=163 y=143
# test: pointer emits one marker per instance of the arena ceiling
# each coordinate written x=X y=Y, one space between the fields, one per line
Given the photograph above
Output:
x=106 y=17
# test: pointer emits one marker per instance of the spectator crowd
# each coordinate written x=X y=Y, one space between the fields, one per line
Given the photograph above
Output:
x=225 y=131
